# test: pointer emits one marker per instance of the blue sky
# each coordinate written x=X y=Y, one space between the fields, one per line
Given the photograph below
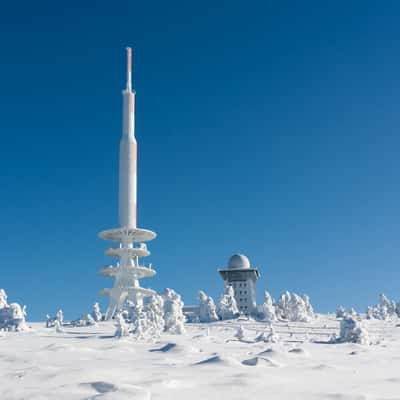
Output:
x=268 y=128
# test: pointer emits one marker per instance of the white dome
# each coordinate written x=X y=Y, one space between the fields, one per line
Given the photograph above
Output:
x=238 y=261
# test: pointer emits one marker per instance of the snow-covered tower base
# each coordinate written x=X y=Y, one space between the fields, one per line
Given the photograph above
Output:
x=128 y=270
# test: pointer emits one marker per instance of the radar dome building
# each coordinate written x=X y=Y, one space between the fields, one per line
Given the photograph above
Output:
x=242 y=277
x=128 y=270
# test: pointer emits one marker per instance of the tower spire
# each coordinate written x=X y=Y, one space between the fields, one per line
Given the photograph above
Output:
x=129 y=69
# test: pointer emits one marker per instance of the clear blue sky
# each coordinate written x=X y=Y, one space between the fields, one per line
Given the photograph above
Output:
x=268 y=128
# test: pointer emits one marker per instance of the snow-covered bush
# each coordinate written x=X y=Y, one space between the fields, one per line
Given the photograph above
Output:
x=292 y=307
x=267 y=309
x=122 y=328
x=340 y=312
x=385 y=309
x=155 y=316
x=227 y=306
x=353 y=331
x=12 y=316
x=96 y=313
x=207 y=308
x=239 y=334
x=173 y=312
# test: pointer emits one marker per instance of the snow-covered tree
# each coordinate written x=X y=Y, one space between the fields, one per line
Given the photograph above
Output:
x=297 y=310
x=282 y=307
x=385 y=309
x=155 y=316
x=352 y=312
x=340 y=312
x=12 y=316
x=227 y=306
x=292 y=307
x=353 y=331
x=3 y=299
x=122 y=328
x=268 y=312
x=96 y=313
x=58 y=327
x=309 y=307
x=173 y=312
x=207 y=308
x=60 y=316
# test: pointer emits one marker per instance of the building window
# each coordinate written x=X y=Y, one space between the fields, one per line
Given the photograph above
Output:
x=245 y=292
x=244 y=284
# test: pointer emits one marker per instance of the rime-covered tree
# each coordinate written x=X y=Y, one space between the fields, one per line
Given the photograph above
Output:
x=155 y=316
x=340 y=312
x=96 y=313
x=3 y=299
x=207 y=308
x=173 y=312
x=227 y=306
x=12 y=316
x=122 y=327
x=60 y=316
x=268 y=312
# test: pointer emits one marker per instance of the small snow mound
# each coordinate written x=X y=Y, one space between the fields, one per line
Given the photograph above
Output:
x=217 y=360
x=165 y=348
x=298 y=351
x=260 y=362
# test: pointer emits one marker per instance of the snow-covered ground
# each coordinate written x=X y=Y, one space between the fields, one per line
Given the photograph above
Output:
x=207 y=362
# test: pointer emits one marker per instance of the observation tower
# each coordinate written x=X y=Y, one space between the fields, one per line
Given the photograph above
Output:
x=128 y=271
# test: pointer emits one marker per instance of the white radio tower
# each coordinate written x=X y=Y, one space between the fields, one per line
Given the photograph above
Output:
x=127 y=271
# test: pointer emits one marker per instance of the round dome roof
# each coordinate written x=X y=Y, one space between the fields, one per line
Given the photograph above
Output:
x=238 y=261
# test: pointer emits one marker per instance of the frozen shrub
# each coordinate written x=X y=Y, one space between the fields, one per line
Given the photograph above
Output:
x=239 y=334
x=353 y=331
x=207 y=308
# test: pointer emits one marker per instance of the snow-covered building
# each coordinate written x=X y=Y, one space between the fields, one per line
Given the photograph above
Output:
x=242 y=277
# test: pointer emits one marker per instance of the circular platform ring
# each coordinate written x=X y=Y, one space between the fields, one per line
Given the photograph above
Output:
x=132 y=252
x=139 y=290
x=131 y=235
x=141 y=272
